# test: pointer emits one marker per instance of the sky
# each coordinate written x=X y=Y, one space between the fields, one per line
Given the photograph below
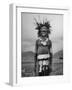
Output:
x=29 y=33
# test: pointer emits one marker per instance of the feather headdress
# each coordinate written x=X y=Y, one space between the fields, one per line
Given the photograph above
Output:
x=39 y=25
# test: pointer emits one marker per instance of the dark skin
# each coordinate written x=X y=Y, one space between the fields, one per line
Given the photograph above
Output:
x=43 y=37
x=43 y=33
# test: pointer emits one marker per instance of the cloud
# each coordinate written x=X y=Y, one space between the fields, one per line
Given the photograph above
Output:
x=29 y=34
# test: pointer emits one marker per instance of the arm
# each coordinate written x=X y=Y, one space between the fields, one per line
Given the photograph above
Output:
x=50 y=47
x=50 y=51
x=51 y=55
x=35 y=57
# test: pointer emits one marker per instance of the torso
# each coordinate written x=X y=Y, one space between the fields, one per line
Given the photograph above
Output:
x=43 y=46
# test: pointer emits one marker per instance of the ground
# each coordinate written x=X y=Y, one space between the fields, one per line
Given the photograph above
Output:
x=28 y=64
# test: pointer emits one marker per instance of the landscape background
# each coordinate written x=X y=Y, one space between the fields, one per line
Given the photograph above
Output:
x=28 y=64
x=29 y=37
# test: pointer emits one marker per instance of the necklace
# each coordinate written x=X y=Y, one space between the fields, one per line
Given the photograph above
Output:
x=44 y=42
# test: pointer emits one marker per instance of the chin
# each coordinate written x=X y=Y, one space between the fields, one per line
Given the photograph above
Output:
x=44 y=35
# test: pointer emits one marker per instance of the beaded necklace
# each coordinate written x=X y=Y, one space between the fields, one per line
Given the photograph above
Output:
x=44 y=42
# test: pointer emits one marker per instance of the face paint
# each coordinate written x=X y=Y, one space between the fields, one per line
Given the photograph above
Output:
x=43 y=31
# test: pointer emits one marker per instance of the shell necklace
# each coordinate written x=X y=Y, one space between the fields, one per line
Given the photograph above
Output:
x=44 y=42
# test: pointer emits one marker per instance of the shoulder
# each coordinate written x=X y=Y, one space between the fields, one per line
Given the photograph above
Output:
x=49 y=42
x=37 y=41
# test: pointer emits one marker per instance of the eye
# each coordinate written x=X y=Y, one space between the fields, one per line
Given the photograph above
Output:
x=44 y=31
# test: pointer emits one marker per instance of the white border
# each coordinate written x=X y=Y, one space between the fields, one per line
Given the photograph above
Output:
x=16 y=53
x=12 y=45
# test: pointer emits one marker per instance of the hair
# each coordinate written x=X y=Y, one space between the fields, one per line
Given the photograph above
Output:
x=39 y=25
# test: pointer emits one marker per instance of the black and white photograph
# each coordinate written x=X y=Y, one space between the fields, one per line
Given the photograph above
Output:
x=41 y=44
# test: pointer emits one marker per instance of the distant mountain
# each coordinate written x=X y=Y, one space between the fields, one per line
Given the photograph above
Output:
x=28 y=63
x=29 y=53
x=28 y=56
x=58 y=54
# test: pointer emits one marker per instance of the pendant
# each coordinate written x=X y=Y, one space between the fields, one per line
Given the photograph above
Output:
x=44 y=43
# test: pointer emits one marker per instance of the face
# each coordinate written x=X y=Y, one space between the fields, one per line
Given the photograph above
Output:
x=43 y=31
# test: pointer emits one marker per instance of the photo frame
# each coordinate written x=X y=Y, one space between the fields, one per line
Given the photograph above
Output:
x=15 y=41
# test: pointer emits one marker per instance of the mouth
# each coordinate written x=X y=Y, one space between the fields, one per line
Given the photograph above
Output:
x=43 y=34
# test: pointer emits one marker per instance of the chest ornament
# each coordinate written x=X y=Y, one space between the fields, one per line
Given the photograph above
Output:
x=44 y=43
